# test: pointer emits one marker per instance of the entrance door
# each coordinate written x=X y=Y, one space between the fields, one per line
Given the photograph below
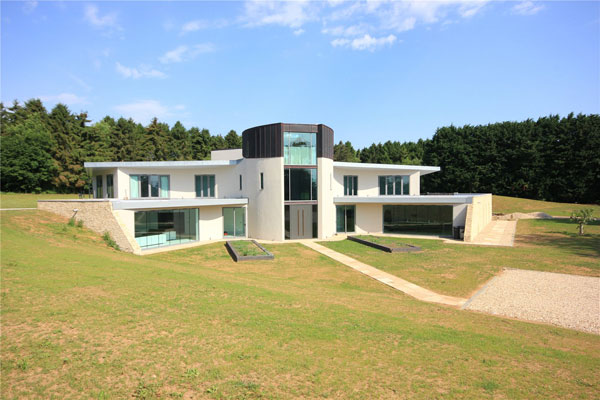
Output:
x=234 y=221
x=301 y=221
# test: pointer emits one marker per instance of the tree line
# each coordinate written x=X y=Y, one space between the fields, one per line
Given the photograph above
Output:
x=552 y=158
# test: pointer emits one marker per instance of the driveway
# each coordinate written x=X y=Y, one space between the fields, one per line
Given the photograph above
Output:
x=570 y=301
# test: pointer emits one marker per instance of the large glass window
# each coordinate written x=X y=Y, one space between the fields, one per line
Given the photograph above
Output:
x=300 y=184
x=299 y=148
x=110 y=187
x=428 y=220
x=166 y=227
x=345 y=218
x=205 y=186
x=99 y=191
x=394 y=185
x=350 y=185
x=234 y=221
x=152 y=186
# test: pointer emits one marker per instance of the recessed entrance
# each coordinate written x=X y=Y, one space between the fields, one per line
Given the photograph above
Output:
x=300 y=221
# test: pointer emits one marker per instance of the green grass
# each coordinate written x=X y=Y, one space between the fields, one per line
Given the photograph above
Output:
x=459 y=270
x=82 y=320
x=507 y=205
x=246 y=248
x=29 y=200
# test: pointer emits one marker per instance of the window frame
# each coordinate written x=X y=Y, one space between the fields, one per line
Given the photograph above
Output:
x=110 y=193
x=99 y=194
x=160 y=188
x=287 y=184
x=208 y=186
x=351 y=190
x=390 y=185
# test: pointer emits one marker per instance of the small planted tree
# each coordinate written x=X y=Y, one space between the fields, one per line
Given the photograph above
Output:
x=582 y=217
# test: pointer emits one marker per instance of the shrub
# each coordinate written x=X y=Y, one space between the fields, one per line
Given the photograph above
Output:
x=110 y=241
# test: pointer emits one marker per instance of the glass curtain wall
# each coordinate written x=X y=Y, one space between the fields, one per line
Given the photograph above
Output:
x=427 y=220
x=300 y=184
x=299 y=148
x=159 y=228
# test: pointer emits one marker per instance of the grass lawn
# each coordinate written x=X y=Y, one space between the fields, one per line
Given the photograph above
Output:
x=246 y=248
x=29 y=200
x=81 y=320
x=459 y=270
x=507 y=205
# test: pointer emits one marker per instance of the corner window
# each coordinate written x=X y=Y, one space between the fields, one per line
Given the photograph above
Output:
x=350 y=185
x=390 y=185
x=110 y=187
x=99 y=190
x=205 y=186
x=149 y=186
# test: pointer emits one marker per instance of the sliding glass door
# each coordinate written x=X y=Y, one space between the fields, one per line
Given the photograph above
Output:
x=234 y=222
x=345 y=218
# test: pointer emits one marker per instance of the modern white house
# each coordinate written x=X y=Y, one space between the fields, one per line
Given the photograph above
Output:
x=283 y=184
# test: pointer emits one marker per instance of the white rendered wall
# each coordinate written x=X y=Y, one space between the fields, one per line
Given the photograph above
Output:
x=459 y=215
x=326 y=213
x=211 y=223
x=368 y=181
x=369 y=218
x=182 y=181
x=265 y=207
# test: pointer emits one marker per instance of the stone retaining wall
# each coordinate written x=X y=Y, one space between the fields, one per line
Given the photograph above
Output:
x=96 y=215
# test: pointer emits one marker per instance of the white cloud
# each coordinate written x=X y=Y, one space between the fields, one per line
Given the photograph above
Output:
x=185 y=53
x=292 y=14
x=352 y=30
x=527 y=8
x=298 y=32
x=366 y=42
x=193 y=26
x=107 y=21
x=144 y=110
x=65 y=98
x=29 y=6
x=144 y=71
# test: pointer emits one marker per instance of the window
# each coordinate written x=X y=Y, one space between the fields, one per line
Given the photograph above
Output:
x=262 y=181
x=350 y=185
x=300 y=184
x=110 y=191
x=99 y=192
x=149 y=186
x=421 y=219
x=240 y=182
x=299 y=148
x=205 y=186
x=345 y=218
x=394 y=185
x=166 y=227
x=234 y=221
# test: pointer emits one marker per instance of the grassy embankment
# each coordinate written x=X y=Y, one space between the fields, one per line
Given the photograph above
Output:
x=507 y=205
x=29 y=200
x=81 y=320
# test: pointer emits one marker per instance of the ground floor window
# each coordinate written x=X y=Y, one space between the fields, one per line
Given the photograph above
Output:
x=234 y=221
x=110 y=187
x=345 y=218
x=301 y=221
x=166 y=227
x=99 y=191
x=428 y=220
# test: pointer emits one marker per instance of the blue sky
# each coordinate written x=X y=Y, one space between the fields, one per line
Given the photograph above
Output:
x=373 y=71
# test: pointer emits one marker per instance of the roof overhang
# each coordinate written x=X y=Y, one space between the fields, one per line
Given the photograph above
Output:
x=423 y=169
x=163 y=164
x=151 y=204
x=412 y=200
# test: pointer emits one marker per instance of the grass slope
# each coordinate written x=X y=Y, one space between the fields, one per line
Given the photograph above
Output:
x=507 y=205
x=29 y=200
x=80 y=320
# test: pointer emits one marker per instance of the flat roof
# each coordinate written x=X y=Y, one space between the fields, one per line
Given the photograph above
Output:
x=424 y=169
x=162 y=164
x=451 y=199
x=148 y=204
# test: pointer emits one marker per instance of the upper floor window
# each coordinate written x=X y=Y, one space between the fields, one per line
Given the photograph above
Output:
x=205 y=186
x=350 y=185
x=149 y=186
x=299 y=148
x=110 y=186
x=99 y=190
x=300 y=184
x=394 y=185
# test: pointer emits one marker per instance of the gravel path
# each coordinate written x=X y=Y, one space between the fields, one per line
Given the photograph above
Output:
x=569 y=301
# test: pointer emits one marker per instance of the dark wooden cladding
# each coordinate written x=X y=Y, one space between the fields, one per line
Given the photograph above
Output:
x=266 y=141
